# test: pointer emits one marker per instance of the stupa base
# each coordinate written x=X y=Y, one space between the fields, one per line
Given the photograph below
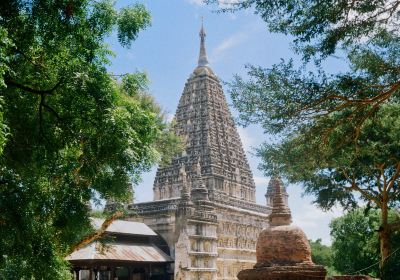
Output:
x=296 y=272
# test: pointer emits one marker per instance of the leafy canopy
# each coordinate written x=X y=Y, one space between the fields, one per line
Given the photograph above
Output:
x=321 y=27
x=322 y=255
x=355 y=243
x=337 y=133
x=69 y=131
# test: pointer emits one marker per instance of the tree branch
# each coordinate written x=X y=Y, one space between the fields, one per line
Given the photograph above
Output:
x=365 y=193
x=395 y=176
x=50 y=109
x=96 y=235
x=9 y=82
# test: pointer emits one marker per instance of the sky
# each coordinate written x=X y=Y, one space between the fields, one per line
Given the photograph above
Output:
x=168 y=52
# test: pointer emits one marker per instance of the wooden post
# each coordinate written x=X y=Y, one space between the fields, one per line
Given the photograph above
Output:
x=113 y=274
x=130 y=272
x=76 y=270
x=109 y=275
x=166 y=276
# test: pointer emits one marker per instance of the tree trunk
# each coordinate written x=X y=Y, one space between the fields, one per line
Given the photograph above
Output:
x=384 y=234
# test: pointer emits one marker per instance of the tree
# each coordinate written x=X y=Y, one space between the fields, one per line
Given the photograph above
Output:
x=337 y=132
x=69 y=131
x=355 y=243
x=322 y=255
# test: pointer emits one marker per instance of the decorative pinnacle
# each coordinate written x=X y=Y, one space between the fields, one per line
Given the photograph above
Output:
x=280 y=212
x=184 y=192
x=198 y=167
x=203 y=56
x=199 y=177
x=199 y=190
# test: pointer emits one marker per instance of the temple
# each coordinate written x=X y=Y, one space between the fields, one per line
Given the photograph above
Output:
x=204 y=201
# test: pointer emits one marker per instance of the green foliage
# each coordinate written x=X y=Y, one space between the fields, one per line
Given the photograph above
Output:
x=128 y=28
x=283 y=99
x=329 y=167
x=322 y=255
x=391 y=269
x=320 y=27
x=5 y=43
x=135 y=83
x=355 y=244
x=69 y=132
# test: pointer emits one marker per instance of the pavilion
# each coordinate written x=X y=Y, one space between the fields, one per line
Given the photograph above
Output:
x=130 y=251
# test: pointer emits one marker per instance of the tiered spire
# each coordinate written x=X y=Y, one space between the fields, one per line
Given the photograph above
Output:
x=203 y=120
x=202 y=56
x=280 y=211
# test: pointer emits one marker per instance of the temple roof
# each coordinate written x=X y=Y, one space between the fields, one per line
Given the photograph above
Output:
x=132 y=248
x=125 y=227
x=120 y=252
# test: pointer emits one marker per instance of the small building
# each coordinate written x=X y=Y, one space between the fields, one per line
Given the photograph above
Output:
x=129 y=251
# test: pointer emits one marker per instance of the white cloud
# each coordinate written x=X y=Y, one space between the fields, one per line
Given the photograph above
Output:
x=129 y=55
x=169 y=117
x=227 y=3
x=309 y=217
x=232 y=16
x=196 y=2
x=234 y=40
x=260 y=181
x=247 y=140
x=228 y=43
x=221 y=3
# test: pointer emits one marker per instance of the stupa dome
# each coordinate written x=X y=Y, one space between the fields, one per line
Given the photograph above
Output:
x=283 y=251
x=283 y=245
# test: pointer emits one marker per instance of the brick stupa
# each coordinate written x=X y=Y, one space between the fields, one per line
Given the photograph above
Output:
x=283 y=251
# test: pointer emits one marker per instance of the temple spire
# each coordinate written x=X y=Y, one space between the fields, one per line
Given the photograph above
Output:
x=280 y=211
x=202 y=56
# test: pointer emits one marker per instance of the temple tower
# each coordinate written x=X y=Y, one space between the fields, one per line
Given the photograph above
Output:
x=205 y=124
x=204 y=200
x=275 y=182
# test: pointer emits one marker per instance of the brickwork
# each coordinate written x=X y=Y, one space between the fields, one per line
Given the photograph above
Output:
x=283 y=251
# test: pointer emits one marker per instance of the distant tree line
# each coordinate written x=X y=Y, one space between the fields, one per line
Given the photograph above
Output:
x=355 y=246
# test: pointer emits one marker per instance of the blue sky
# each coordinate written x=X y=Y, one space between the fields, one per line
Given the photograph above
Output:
x=168 y=51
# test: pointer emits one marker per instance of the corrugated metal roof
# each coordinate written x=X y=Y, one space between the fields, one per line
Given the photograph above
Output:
x=125 y=227
x=120 y=252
